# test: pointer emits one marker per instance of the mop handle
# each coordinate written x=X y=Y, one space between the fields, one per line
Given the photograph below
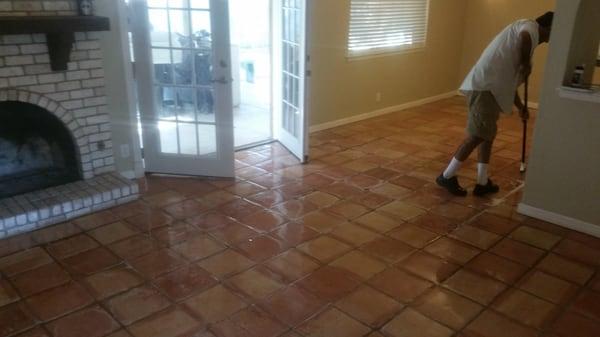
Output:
x=525 y=120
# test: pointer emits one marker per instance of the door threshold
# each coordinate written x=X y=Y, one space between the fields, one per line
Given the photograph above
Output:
x=255 y=144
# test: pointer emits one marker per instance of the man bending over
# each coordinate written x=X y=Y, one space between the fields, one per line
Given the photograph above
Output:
x=491 y=88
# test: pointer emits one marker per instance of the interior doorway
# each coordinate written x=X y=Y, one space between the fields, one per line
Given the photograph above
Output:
x=251 y=50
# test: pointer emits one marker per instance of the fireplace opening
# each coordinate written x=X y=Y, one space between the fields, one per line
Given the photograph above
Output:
x=36 y=150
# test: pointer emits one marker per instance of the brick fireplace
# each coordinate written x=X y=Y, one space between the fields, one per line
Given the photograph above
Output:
x=56 y=128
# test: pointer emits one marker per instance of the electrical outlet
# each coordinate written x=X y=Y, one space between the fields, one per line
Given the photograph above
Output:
x=125 y=151
x=378 y=97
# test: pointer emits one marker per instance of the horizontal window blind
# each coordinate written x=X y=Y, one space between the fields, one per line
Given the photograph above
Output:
x=381 y=26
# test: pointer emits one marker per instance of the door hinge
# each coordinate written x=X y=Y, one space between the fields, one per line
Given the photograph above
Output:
x=308 y=73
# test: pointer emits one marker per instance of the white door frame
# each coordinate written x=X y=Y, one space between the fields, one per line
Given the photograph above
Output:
x=222 y=163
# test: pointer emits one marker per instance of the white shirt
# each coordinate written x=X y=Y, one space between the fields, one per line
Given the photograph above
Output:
x=498 y=67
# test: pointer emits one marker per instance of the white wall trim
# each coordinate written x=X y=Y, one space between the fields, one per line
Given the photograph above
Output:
x=384 y=111
x=561 y=220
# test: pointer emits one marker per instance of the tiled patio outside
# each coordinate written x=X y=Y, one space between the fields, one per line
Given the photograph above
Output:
x=359 y=242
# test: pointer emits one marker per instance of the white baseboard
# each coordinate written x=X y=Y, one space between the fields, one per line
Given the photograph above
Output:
x=380 y=112
x=561 y=220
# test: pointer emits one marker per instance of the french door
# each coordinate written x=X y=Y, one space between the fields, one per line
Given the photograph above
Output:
x=291 y=64
x=183 y=73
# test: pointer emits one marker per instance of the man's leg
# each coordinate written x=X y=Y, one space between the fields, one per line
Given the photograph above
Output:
x=484 y=184
x=485 y=152
x=448 y=178
x=463 y=152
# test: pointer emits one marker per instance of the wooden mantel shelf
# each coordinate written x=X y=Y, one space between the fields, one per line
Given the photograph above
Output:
x=59 y=30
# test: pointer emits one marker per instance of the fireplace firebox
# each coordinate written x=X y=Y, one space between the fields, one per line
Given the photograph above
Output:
x=37 y=150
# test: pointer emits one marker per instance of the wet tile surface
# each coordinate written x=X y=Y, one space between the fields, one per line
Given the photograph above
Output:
x=360 y=242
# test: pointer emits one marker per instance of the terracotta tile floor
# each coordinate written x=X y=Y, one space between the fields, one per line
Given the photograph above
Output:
x=359 y=242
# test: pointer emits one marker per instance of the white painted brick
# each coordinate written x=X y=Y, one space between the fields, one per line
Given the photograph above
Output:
x=70 y=105
x=97 y=119
x=78 y=75
x=39 y=38
x=80 y=36
x=11 y=71
x=91 y=129
x=22 y=80
x=52 y=107
x=86 y=112
x=1 y=61
x=93 y=35
x=12 y=95
x=42 y=58
x=59 y=96
x=34 y=98
x=34 y=49
x=9 y=50
x=87 y=45
x=87 y=167
x=109 y=160
x=98 y=163
x=60 y=112
x=56 y=5
x=97 y=82
x=3 y=82
x=78 y=134
x=79 y=55
x=90 y=64
x=67 y=86
x=18 y=60
x=99 y=136
x=51 y=78
x=102 y=154
x=27 y=6
x=95 y=54
x=98 y=73
x=105 y=127
x=17 y=39
x=71 y=66
x=37 y=69
x=23 y=96
x=93 y=101
x=78 y=94
x=43 y=89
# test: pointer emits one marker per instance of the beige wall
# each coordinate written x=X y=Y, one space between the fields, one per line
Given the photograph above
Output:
x=486 y=18
x=342 y=88
x=562 y=177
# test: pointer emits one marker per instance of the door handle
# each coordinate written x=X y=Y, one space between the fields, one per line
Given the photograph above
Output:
x=221 y=80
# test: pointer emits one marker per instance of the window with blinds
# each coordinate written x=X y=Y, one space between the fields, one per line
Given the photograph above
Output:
x=384 y=26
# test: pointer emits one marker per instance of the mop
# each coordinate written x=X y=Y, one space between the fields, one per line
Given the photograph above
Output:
x=523 y=165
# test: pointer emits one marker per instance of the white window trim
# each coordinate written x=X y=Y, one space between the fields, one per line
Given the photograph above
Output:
x=386 y=51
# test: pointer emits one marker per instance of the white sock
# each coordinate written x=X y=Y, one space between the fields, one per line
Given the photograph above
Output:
x=482 y=176
x=452 y=168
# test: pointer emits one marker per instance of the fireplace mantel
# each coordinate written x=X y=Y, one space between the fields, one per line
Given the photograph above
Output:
x=59 y=30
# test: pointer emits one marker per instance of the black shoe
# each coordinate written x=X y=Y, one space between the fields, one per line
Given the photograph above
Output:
x=451 y=185
x=490 y=187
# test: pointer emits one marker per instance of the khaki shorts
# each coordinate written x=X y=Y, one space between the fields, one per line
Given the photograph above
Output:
x=484 y=112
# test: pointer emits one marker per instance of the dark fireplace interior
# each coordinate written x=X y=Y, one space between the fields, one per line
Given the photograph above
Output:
x=36 y=150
